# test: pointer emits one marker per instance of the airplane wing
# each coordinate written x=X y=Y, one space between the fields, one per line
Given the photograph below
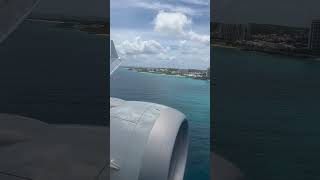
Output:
x=34 y=150
x=12 y=13
x=115 y=60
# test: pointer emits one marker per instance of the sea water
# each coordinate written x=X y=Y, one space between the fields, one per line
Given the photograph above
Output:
x=192 y=97
x=267 y=114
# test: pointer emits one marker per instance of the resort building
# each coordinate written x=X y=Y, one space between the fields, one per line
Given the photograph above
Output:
x=314 y=35
x=234 y=32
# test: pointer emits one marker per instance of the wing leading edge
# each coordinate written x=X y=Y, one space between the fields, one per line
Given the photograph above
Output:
x=12 y=13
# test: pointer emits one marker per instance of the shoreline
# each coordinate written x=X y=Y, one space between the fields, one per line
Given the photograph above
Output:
x=73 y=25
x=224 y=46
x=162 y=74
x=45 y=21
x=270 y=52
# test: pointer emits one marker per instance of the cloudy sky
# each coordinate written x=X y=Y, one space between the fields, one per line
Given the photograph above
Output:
x=162 y=33
x=282 y=12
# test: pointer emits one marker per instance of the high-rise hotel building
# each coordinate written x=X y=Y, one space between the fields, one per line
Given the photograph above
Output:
x=314 y=35
x=231 y=32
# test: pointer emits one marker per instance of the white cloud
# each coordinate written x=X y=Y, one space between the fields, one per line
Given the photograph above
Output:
x=182 y=43
x=171 y=22
x=152 y=52
x=200 y=38
x=189 y=7
x=157 y=6
x=165 y=56
x=172 y=40
x=197 y=2
x=143 y=50
x=139 y=46
x=176 y=23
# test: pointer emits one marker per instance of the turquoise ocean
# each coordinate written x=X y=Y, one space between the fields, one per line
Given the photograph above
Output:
x=266 y=114
x=192 y=97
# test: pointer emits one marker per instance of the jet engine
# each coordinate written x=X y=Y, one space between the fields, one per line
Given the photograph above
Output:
x=147 y=141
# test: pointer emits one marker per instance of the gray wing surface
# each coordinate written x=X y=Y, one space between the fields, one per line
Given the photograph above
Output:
x=33 y=150
x=222 y=169
x=115 y=60
x=12 y=13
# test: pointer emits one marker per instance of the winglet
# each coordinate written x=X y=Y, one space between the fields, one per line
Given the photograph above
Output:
x=114 y=53
x=115 y=60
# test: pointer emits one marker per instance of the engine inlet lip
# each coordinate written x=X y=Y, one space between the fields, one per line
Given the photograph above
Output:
x=168 y=137
x=179 y=154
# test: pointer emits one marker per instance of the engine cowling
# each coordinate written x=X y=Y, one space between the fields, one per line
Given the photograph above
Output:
x=147 y=141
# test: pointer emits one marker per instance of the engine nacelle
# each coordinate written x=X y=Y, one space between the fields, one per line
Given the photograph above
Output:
x=147 y=141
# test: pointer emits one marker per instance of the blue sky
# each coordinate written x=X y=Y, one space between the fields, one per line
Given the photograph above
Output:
x=162 y=33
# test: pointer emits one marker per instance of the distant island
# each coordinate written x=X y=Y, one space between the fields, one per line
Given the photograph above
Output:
x=188 y=73
x=267 y=38
x=92 y=25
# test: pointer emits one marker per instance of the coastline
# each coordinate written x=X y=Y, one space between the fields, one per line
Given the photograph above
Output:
x=44 y=20
x=223 y=46
x=269 y=51
x=96 y=29
x=163 y=74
